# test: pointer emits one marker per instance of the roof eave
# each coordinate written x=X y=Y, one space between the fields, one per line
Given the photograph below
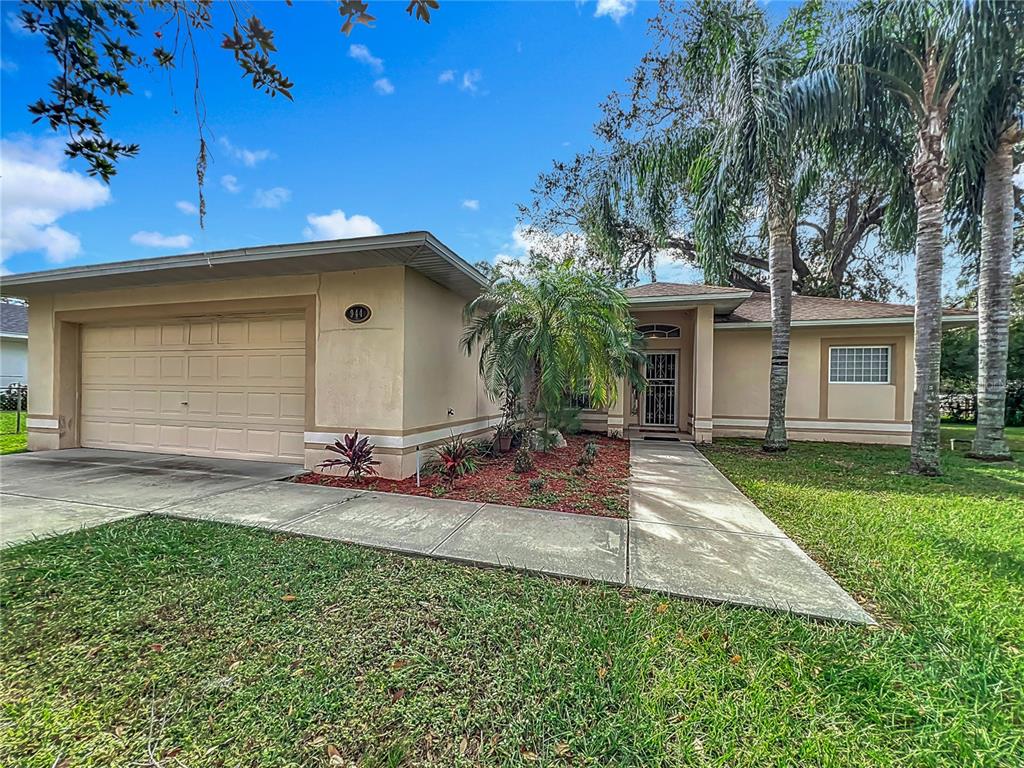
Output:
x=29 y=283
x=947 y=320
x=724 y=303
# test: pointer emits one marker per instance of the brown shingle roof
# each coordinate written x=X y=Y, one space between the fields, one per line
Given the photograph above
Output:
x=655 y=290
x=758 y=309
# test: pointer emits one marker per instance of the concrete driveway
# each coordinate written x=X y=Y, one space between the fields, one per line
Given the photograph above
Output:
x=690 y=533
x=50 y=492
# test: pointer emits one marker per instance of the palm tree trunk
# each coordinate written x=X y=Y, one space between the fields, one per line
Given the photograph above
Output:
x=994 y=301
x=780 y=264
x=929 y=173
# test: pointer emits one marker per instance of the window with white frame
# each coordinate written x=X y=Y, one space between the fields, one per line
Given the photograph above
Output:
x=859 y=365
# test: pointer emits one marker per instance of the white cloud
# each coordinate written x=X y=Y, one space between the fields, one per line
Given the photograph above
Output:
x=473 y=205
x=447 y=76
x=336 y=226
x=471 y=80
x=230 y=183
x=362 y=54
x=247 y=157
x=615 y=9
x=189 y=209
x=274 y=197
x=157 y=240
x=7 y=65
x=36 y=190
x=383 y=86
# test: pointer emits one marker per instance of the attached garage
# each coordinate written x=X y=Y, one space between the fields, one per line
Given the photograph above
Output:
x=230 y=386
x=267 y=353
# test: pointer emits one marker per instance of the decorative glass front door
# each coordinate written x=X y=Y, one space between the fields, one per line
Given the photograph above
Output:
x=660 y=396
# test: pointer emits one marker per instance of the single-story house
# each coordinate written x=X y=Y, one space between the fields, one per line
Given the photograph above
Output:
x=13 y=343
x=270 y=353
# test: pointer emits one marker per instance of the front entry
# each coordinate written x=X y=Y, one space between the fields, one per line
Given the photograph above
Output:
x=659 y=400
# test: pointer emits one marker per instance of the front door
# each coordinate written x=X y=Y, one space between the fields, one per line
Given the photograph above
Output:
x=660 y=396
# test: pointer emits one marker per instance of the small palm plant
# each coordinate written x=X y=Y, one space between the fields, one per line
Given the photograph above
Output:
x=357 y=456
x=559 y=329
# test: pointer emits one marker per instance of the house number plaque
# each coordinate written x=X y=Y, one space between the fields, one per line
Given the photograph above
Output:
x=357 y=313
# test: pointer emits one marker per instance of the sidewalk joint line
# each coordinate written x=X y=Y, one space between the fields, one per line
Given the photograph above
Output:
x=457 y=528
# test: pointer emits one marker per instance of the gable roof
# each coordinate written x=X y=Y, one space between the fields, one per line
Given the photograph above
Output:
x=13 y=319
x=820 y=309
x=660 y=290
x=754 y=308
x=417 y=250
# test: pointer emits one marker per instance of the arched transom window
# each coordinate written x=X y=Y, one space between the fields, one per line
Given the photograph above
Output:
x=658 y=331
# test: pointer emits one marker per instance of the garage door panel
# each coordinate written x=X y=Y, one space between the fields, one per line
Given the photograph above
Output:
x=172 y=334
x=232 y=387
x=200 y=333
x=172 y=438
x=293 y=407
x=172 y=367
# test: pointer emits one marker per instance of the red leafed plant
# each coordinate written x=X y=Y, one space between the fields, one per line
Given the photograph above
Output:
x=454 y=458
x=357 y=456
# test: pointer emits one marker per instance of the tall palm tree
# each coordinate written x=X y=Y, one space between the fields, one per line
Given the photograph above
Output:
x=739 y=152
x=905 y=63
x=555 y=331
x=985 y=128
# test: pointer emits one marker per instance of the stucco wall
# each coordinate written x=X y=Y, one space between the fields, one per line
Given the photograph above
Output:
x=815 y=409
x=13 y=361
x=364 y=376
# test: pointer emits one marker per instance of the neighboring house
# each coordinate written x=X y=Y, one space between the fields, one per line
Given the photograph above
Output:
x=271 y=352
x=13 y=343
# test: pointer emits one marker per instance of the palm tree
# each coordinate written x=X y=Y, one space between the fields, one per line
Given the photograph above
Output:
x=985 y=128
x=556 y=331
x=897 y=64
x=740 y=152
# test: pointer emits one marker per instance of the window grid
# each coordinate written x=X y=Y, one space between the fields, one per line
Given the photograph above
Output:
x=859 y=365
x=659 y=331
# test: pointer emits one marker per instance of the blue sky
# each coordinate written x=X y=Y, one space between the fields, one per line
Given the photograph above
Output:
x=406 y=126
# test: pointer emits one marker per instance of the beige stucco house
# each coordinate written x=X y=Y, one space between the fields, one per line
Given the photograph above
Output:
x=269 y=353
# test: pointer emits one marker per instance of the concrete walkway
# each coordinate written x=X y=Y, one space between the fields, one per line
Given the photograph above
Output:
x=691 y=534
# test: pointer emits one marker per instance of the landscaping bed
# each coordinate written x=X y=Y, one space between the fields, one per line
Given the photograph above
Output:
x=601 y=489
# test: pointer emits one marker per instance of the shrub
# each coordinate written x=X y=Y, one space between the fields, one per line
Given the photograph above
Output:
x=357 y=456
x=588 y=456
x=523 y=461
x=536 y=484
x=454 y=458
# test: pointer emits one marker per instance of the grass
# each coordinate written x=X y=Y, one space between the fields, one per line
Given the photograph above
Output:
x=11 y=442
x=175 y=639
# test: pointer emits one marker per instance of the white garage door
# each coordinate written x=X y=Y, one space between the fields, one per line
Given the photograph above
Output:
x=228 y=386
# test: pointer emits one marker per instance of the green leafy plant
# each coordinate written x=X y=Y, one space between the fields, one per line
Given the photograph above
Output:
x=536 y=484
x=357 y=456
x=523 y=461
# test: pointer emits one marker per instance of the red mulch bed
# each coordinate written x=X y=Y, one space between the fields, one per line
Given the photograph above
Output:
x=602 y=491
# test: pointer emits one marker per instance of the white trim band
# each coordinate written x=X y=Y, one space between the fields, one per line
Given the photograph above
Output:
x=42 y=423
x=824 y=426
x=407 y=441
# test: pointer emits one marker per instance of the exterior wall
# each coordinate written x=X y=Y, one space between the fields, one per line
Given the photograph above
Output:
x=444 y=392
x=13 y=361
x=815 y=409
x=358 y=376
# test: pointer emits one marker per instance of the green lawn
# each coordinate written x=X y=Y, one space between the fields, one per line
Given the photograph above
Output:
x=11 y=442
x=172 y=639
